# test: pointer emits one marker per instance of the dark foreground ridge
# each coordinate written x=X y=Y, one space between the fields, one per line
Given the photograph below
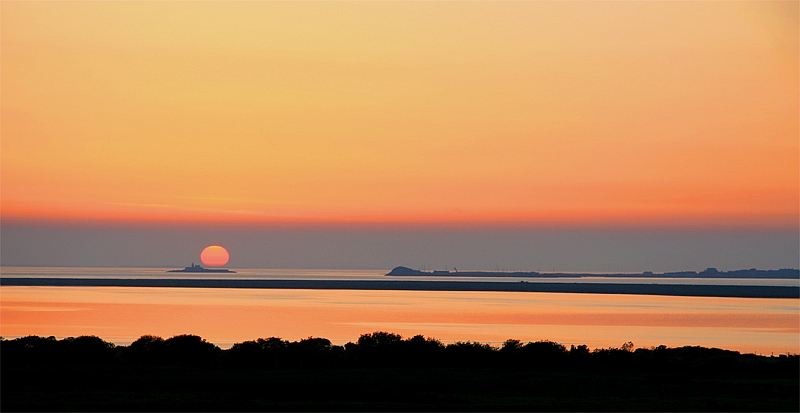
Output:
x=383 y=371
x=783 y=273
x=748 y=291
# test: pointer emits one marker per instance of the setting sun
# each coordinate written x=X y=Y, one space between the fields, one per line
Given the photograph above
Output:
x=214 y=256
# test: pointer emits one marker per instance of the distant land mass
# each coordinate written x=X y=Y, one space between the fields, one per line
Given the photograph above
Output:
x=784 y=273
x=421 y=284
x=200 y=268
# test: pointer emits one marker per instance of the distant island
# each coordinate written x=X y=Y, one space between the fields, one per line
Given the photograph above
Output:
x=784 y=273
x=200 y=268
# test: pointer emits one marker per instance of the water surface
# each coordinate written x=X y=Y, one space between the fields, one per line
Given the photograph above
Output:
x=225 y=316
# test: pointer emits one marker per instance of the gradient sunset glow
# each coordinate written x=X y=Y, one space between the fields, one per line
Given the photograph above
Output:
x=621 y=113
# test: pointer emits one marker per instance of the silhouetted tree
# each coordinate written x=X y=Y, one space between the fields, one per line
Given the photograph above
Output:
x=35 y=350
x=189 y=349
x=380 y=348
x=31 y=350
x=542 y=354
x=419 y=351
x=265 y=353
x=88 y=350
x=147 y=349
x=578 y=350
x=379 y=339
x=470 y=354
x=508 y=353
x=311 y=352
x=612 y=359
x=511 y=345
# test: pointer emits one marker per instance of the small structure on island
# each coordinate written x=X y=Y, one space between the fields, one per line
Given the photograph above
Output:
x=200 y=268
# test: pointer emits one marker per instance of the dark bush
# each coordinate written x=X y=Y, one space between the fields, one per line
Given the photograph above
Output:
x=542 y=355
x=146 y=350
x=310 y=352
x=261 y=353
x=419 y=351
x=380 y=349
x=87 y=350
x=470 y=354
x=47 y=351
x=31 y=350
x=189 y=349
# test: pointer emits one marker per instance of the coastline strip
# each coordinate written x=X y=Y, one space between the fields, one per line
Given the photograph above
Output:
x=742 y=291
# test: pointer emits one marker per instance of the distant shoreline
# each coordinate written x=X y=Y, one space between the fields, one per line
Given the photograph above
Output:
x=741 y=291
x=784 y=273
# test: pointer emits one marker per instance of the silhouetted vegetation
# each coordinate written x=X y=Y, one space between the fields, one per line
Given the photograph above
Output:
x=381 y=350
x=43 y=373
x=47 y=351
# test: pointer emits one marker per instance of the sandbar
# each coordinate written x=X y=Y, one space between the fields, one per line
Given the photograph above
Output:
x=745 y=291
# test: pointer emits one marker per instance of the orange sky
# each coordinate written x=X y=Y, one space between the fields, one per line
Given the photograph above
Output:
x=632 y=113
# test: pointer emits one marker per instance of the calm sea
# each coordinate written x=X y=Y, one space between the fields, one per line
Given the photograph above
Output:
x=227 y=316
